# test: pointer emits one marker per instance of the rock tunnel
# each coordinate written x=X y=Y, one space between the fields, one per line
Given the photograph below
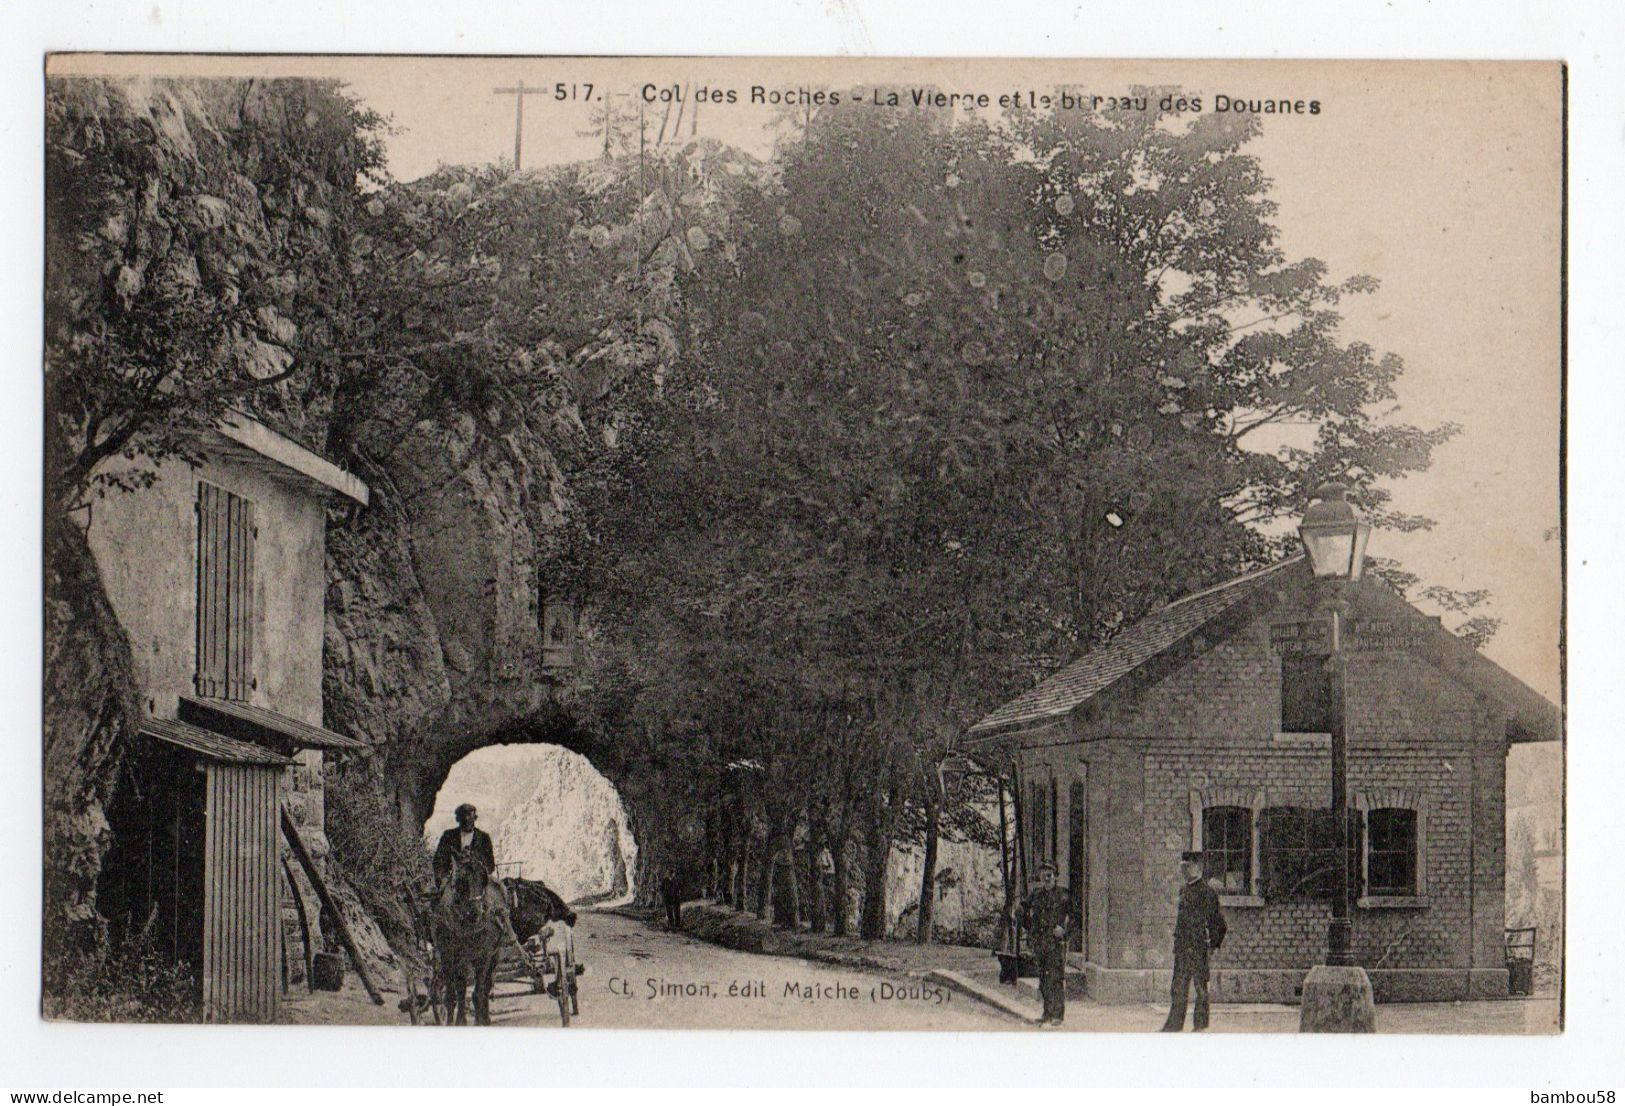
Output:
x=551 y=816
x=604 y=837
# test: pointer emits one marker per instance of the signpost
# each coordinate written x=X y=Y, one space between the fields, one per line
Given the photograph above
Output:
x=1360 y=635
x=1375 y=635
x=1313 y=637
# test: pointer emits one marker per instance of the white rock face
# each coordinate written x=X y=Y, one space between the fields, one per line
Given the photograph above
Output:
x=969 y=889
x=549 y=812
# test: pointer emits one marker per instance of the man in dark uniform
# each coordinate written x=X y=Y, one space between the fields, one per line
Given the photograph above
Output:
x=1198 y=930
x=1049 y=920
x=465 y=841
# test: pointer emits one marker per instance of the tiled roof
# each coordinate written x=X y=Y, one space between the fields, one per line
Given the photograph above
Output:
x=259 y=724
x=213 y=746
x=1098 y=669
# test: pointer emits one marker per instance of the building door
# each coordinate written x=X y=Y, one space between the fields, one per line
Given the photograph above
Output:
x=1077 y=858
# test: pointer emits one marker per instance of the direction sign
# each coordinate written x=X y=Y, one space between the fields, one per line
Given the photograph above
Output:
x=1311 y=636
x=1360 y=635
x=1372 y=635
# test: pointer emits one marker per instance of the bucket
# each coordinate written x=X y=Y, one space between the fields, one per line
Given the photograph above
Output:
x=327 y=971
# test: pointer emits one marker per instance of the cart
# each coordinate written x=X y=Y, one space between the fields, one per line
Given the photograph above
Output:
x=423 y=961
x=556 y=972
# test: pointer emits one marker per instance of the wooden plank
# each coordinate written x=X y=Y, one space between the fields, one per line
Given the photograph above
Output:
x=291 y=832
x=216 y=596
x=246 y=649
x=211 y=893
x=199 y=649
x=205 y=585
x=211 y=585
x=230 y=919
x=239 y=918
x=234 y=526
x=270 y=920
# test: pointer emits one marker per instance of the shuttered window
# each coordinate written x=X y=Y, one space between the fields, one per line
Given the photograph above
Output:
x=225 y=593
x=1299 y=854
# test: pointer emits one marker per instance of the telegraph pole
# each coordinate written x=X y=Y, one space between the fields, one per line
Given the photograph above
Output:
x=518 y=92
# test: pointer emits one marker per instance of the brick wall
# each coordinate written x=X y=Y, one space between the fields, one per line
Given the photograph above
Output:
x=1293 y=934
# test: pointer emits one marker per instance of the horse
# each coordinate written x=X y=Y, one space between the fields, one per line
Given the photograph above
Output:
x=471 y=928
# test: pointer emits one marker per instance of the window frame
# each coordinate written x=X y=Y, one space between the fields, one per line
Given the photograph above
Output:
x=1214 y=819
x=1376 y=800
x=1295 y=664
x=1248 y=799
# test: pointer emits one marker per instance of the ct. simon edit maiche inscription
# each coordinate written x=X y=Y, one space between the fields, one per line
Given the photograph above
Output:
x=803 y=543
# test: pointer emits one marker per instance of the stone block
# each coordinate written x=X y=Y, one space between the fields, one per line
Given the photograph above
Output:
x=1337 y=999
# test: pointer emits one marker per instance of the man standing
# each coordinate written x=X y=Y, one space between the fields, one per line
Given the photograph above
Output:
x=1198 y=930
x=1048 y=922
x=466 y=842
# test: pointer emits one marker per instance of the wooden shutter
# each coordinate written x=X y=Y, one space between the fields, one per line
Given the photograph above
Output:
x=225 y=594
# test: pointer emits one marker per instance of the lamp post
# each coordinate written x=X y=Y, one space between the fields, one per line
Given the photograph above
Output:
x=1337 y=996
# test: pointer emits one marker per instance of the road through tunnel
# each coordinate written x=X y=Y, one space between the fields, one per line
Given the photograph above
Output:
x=551 y=815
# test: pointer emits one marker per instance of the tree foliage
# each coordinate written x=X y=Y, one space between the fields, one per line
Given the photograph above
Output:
x=965 y=400
x=849 y=446
x=196 y=239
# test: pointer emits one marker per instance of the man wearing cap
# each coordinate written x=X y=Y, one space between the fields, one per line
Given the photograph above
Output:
x=1049 y=920
x=1198 y=929
x=466 y=842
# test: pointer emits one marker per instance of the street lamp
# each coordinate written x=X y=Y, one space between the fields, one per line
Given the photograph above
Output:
x=1337 y=996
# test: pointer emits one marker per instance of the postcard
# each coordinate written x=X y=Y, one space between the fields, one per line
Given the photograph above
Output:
x=781 y=543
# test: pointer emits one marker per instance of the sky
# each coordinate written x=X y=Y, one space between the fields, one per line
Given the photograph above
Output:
x=1441 y=179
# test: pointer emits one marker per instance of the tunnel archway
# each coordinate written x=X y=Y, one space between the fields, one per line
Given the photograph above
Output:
x=552 y=816
x=659 y=799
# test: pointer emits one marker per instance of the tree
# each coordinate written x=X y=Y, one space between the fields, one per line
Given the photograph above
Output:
x=969 y=399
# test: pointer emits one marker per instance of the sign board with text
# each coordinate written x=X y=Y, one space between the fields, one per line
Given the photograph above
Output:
x=1312 y=636
x=1374 y=635
x=1360 y=635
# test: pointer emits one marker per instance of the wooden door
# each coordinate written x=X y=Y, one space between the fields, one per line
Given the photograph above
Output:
x=1077 y=861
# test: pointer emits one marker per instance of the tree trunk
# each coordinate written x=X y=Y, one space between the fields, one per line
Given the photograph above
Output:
x=928 y=877
x=787 y=896
x=876 y=853
x=838 y=852
x=764 y=880
x=872 y=920
x=816 y=908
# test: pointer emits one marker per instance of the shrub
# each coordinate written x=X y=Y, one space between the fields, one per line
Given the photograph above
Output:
x=133 y=981
x=373 y=850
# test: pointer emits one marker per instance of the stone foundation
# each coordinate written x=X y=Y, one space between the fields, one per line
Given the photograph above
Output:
x=1127 y=985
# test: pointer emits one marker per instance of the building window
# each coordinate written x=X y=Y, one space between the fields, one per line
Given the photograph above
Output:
x=1055 y=821
x=225 y=594
x=1038 y=820
x=1391 y=852
x=1227 y=848
x=1306 y=694
x=1300 y=856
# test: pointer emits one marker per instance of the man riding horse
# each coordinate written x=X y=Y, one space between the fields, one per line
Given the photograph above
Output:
x=476 y=916
x=464 y=840
x=471 y=928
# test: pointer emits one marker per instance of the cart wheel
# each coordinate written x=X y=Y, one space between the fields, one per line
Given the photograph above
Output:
x=559 y=987
x=570 y=986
